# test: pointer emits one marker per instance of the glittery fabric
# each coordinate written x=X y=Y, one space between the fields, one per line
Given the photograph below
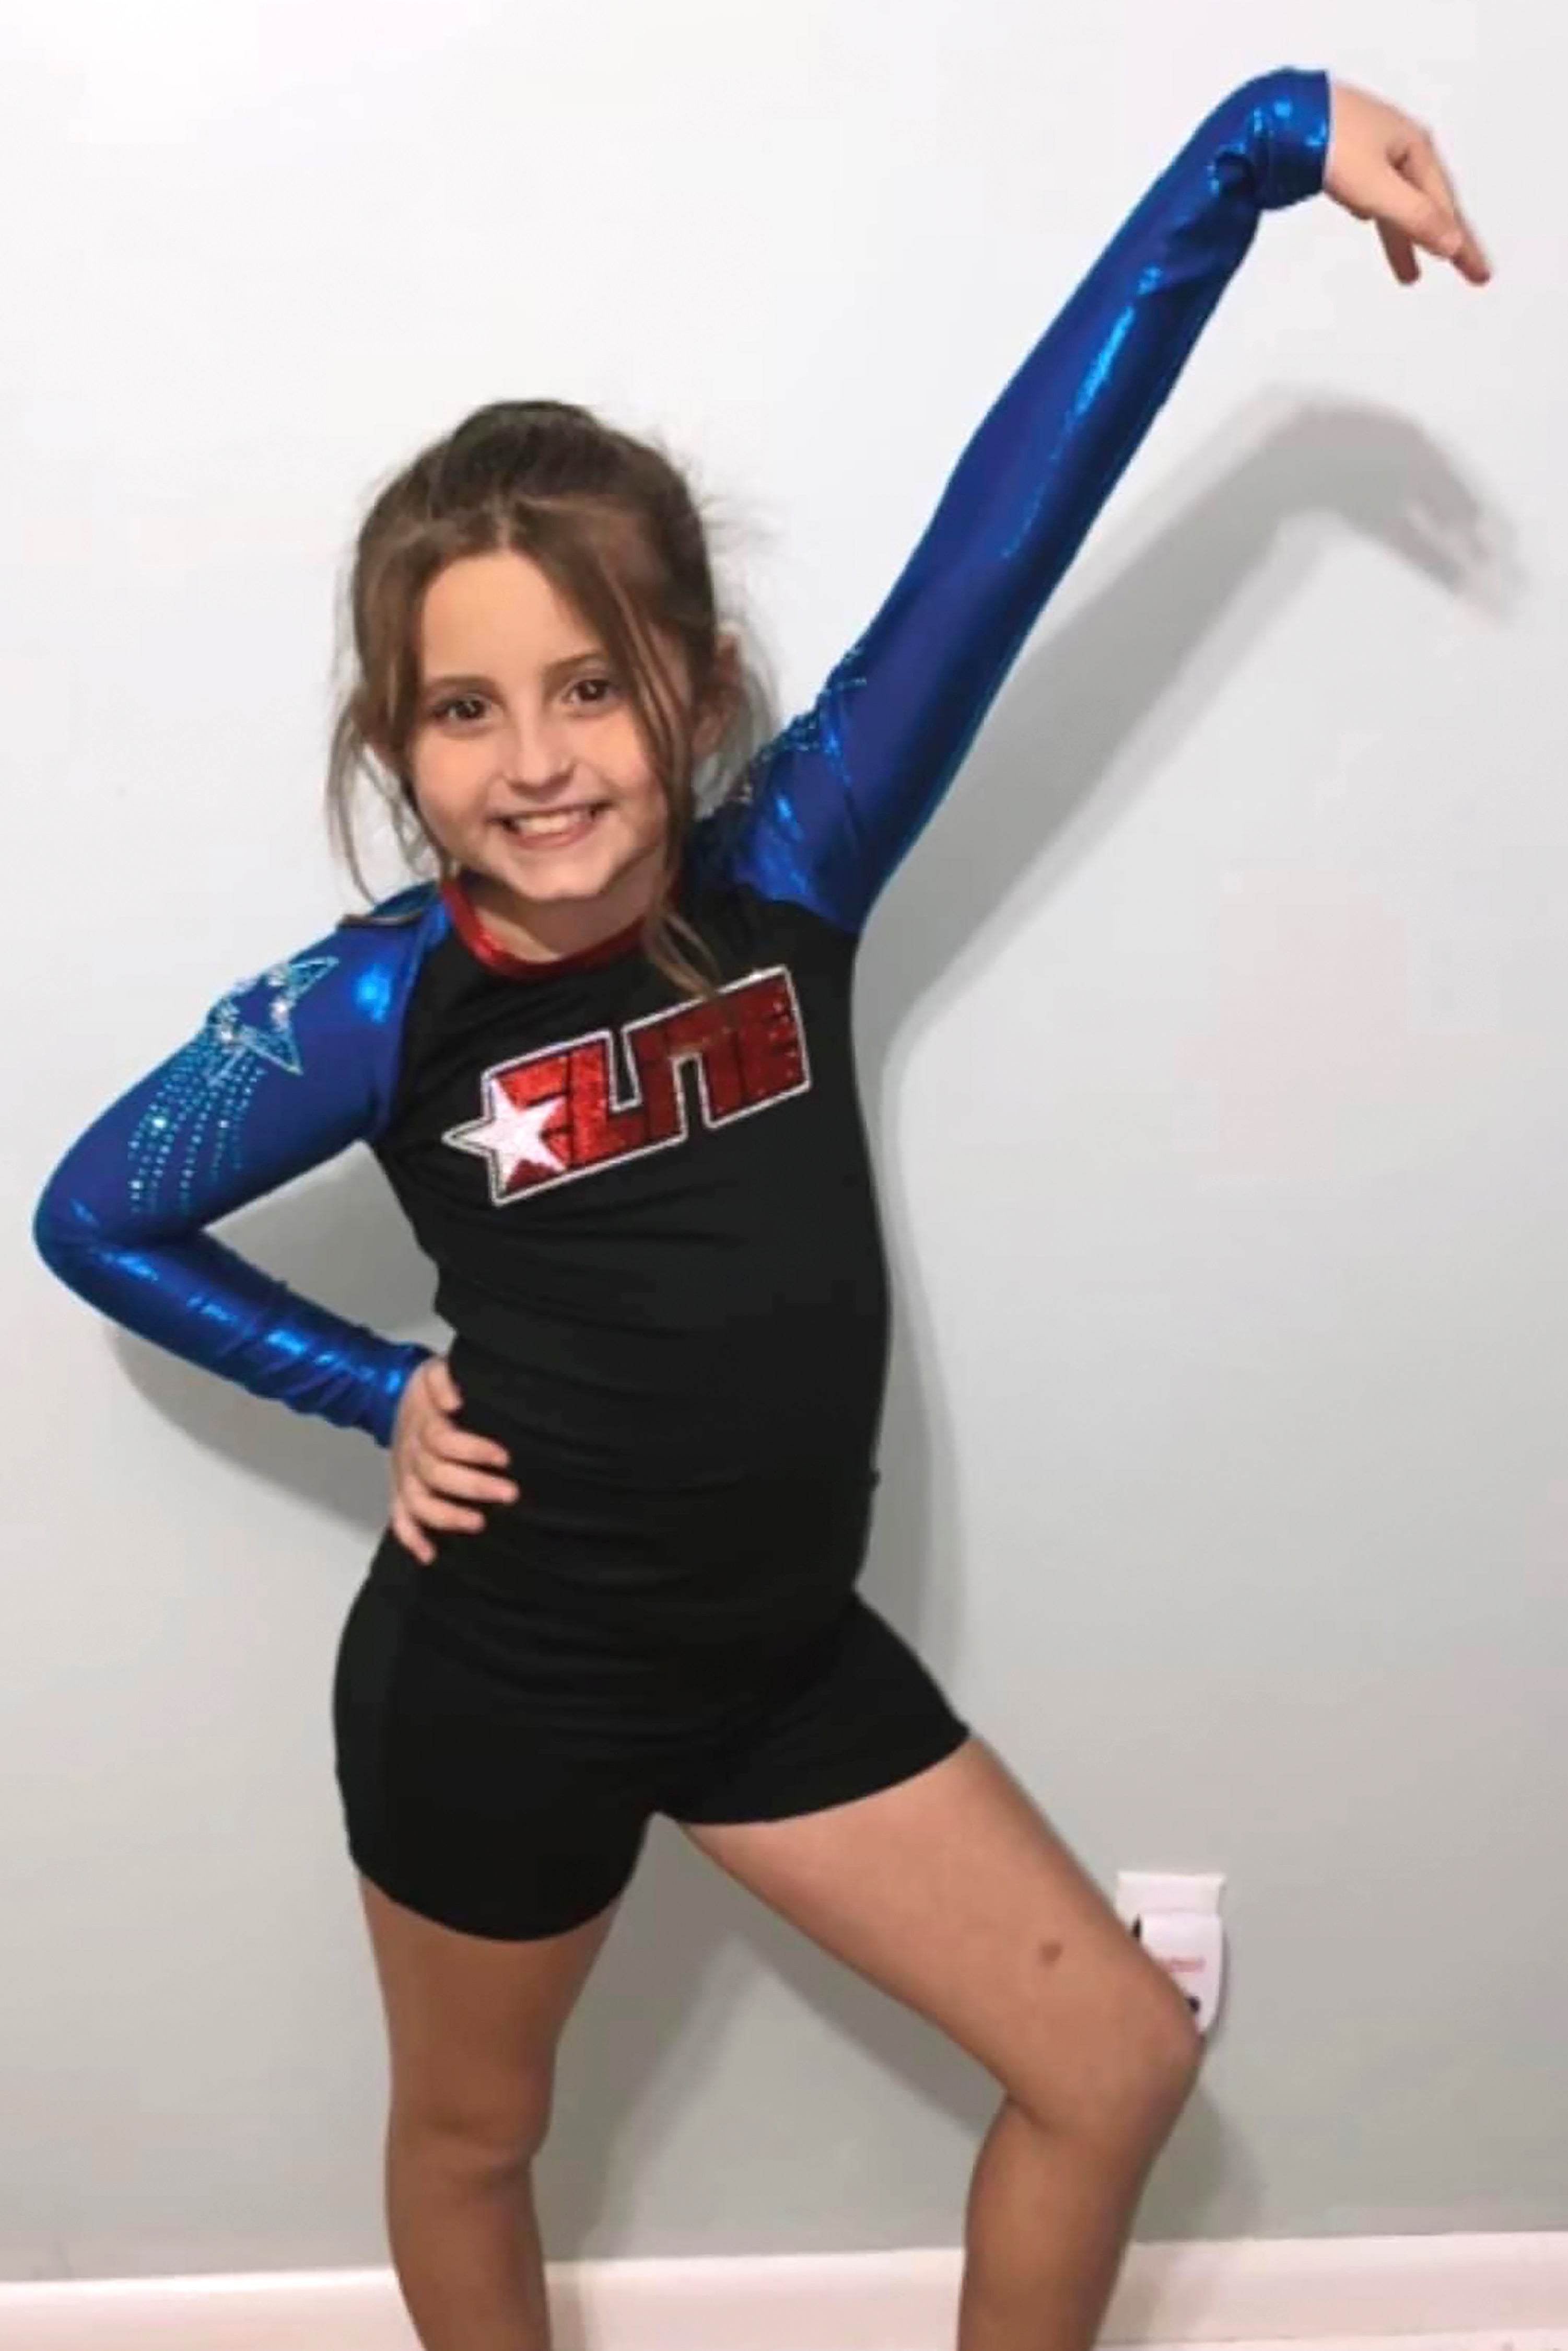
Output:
x=293 y=1065
x=288 y=1067
x=837 y=798
x=553 y=1116
x=189 y=1131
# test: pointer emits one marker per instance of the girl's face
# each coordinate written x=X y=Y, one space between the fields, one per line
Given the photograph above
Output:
x=526 y=764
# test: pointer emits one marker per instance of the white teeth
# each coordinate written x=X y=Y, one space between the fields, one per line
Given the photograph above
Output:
x=556 y=820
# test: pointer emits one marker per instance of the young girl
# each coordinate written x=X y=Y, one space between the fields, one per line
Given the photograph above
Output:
x=605 y=1060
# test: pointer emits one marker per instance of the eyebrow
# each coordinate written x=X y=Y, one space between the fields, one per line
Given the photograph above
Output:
x=449 y=681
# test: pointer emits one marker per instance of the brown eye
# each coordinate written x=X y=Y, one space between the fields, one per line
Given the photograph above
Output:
x=594 y=693
x=463 y=707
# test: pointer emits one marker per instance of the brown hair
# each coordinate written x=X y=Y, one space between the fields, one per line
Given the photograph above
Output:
x=612 y=524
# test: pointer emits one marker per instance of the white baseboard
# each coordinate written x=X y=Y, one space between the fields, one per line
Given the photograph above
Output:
x=1333 y=2293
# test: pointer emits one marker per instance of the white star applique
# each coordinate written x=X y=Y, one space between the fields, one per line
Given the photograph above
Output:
x=510 y=1136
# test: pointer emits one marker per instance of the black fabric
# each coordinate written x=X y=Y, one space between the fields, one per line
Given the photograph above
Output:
x=704 y=1312
x=501 y=1783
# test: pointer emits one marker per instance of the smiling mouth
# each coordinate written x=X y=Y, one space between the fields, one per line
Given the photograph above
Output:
x=553 y=828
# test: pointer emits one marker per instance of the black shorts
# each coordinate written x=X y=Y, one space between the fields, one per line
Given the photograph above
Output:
x=508 y=1718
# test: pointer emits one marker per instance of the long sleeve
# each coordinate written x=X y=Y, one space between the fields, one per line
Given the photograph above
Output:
x=288 y=1070
x=836 y=800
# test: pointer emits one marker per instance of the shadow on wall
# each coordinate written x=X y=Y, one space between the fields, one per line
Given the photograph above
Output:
x=1083 y=731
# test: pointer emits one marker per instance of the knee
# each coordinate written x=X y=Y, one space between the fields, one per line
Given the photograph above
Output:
x=1131 y=2075
x=1171 y=2050
x=1156 y=2064
x=496 y=2137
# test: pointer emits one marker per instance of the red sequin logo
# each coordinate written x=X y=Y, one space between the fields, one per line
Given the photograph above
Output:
x=554 y=1115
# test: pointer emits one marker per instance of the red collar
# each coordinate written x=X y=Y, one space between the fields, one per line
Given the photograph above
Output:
x=488 y=948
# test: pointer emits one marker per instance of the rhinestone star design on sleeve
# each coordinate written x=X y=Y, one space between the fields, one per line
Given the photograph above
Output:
x=193 y=1125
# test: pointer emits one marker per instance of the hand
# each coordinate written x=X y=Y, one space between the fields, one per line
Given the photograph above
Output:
x=431 y=1457
x=1384 y=167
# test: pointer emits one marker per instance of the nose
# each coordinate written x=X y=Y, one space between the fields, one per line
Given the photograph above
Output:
x=534 y=757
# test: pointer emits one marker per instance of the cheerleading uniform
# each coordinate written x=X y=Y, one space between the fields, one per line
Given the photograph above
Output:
x=652 y=1218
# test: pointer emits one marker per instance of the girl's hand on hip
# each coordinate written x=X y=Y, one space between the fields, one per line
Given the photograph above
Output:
x=433 y=1458
x=1384 y=167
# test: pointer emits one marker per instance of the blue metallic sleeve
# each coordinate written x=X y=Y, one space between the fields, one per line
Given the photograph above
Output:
x=836 y=800
x=288 y=1070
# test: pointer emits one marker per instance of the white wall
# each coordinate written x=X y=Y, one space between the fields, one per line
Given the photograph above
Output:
x=1215 y=1049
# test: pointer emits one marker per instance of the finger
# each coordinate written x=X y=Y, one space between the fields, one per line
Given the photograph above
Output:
x=455 y=1443
x=1402 y=204
x=444 y=1387
x=427 y=1460
x=446 y=1477
x=1401 y=254
x=1472 y=261
x=428 y=1510
x=1421 y=162
x=408 y=1535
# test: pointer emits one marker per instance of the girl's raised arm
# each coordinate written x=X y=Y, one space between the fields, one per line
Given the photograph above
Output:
x=837 y=797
